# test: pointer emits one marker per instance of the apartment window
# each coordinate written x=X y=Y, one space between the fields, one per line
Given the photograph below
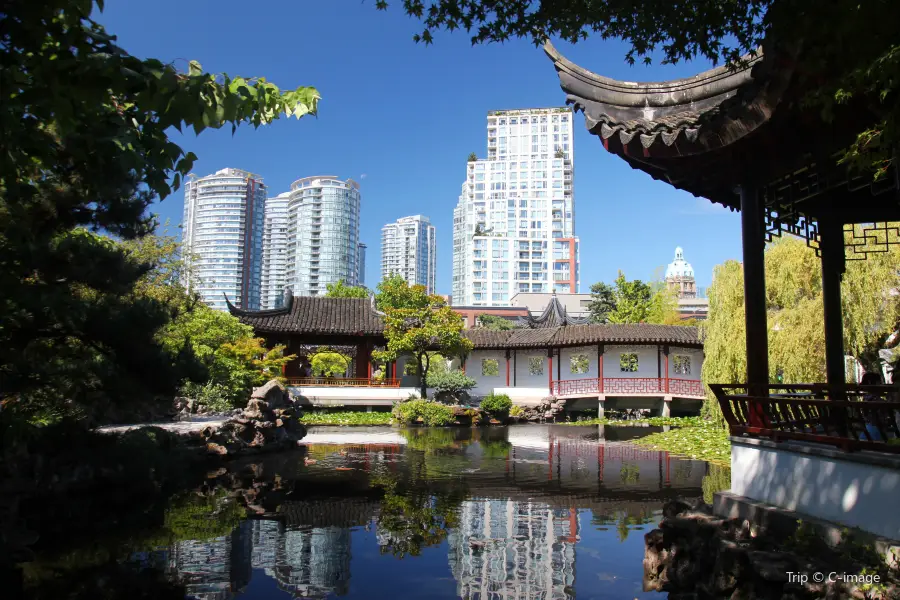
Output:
x=578 y=364
x=490 y=367
x=628 y=362
x=536 y=365
x=682 y=365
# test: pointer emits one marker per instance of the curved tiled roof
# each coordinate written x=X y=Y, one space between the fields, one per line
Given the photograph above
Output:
x=584 y=335
x=316 y=315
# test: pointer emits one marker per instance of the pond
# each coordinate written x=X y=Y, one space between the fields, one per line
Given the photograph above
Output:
x=531 y=511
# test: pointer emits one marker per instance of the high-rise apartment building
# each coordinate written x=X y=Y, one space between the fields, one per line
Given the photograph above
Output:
x=408 y=247
x=274 y=265
x=322 y=234
x=514 y=225
x=222 y=237
x=361 y=254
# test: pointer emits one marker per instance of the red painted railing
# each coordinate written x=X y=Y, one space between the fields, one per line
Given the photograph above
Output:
x=851 y=417
x=626 y=386
x=343 y=382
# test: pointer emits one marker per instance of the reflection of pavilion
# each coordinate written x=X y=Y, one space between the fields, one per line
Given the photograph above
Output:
x=514 y=550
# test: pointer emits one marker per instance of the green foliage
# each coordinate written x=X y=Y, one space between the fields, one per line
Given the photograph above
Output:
x=418 y=324
x=496 y=405
x=347 y=417
x=794 y=309
x=721 y=30
x=633 y=302
x=516 y=411
x=629 y=473
x=717 y=480
x=328 y=363
x=705 y=442
x=200 y=517
x=85 y=148
x=495 y=323
x=472 y=157
x=495 y=448
x=342 y=290
x=433 y=414
x=652 y=421
x=490 y=367
x=452 y=382
x=430 y=439
x=214 y=396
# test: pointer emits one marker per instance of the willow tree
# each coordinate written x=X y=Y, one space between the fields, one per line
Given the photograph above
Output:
x=796 y=333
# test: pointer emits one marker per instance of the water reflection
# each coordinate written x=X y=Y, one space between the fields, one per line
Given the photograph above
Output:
x=512 y=513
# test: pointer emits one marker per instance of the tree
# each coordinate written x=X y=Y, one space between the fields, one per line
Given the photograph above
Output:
x=417 y=322
x=794 y=309
x=720 y=30
x=632 y=301
x=472 y=157
x=328 y=363
x=603 y=302
x=342 y=290
x=85 y=148
x=495 y=323
x=663 y=308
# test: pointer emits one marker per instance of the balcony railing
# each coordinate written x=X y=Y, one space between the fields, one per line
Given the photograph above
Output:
x=342 y=382
x=627 y=386
x=851 y=417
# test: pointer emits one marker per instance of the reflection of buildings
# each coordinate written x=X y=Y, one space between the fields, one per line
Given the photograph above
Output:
x=514 y=550
x=214 y=569
x=317 y=562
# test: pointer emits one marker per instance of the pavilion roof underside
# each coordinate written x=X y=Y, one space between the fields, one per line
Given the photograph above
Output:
x=723 y=128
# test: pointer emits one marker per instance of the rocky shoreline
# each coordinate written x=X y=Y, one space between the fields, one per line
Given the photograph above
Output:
x=695 y=555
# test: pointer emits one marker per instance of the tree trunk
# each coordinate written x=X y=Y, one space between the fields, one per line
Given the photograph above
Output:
x=423 y=375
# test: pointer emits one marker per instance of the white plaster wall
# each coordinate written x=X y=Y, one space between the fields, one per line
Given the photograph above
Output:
x=483 y=384
x=524 y=378
x=350 y=396
x=847 y=492
x=696 y=362
x=647 y=361
x=566 y=355
x=524 y=396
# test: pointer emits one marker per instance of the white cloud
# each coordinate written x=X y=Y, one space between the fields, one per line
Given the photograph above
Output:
x=363 y=176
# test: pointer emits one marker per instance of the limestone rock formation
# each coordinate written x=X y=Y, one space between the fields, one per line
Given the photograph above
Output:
x=269 y=422
x=547 y=410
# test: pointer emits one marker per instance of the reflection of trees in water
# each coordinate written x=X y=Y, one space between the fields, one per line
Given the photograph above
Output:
x=717 y=479
x=625 y=521
x=682 y=472
x=630 y=473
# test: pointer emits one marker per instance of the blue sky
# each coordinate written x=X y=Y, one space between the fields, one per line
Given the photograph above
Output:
x=401 y=118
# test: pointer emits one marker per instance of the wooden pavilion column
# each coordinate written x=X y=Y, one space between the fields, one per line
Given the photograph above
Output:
x=550 y=369
x=600 y=350
x=666 y=359
x=753 y=236
x=507 y=367
x=831 y=245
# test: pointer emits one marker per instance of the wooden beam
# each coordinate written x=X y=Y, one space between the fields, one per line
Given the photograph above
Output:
x=753 y=235
x=831 y=235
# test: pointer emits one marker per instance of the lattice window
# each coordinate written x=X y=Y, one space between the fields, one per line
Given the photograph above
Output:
x=490 y=367
x=536 y=365
x=579 y=364
x=628 y=362
x=682 y=365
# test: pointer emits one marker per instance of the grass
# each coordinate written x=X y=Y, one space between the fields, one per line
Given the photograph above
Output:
x=701 y=442
x=653 y=421
x=346 y=417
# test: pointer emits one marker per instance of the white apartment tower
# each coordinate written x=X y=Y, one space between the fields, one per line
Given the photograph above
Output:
x=322 y=234
x=222 y=237
x=408 y=247
x=514 y=225
x=361 y=258
x=274 y=265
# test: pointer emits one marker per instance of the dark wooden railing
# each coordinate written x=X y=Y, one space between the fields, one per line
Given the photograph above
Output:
x=851 y=417
x=626 y=386
x=342 y=382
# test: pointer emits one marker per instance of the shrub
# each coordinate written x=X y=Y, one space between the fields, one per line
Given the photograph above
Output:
x=497 y=405
x=452 y=382
x=214 y=396
x=516 y=411
x=433 y=414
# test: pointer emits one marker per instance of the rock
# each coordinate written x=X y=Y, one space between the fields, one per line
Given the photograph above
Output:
x=273 y=393
x=673 y=508
x=773 y=566
x=548 y=415
x=212 y=448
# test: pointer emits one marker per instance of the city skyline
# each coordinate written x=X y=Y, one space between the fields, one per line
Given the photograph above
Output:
x=408 y=248
x=401 y=150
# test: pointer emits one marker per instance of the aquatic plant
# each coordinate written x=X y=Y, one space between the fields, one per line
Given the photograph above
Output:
x=346 y=417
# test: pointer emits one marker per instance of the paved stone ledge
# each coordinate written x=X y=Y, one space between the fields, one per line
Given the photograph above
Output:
x=195 y=425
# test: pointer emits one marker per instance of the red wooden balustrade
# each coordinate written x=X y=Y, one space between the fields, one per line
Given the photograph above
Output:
x=626 y=386
x=807 y=412
x=343 y=382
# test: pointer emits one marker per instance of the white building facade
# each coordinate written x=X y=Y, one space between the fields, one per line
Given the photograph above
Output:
x=361 y=258
x=514 y=224
x=222 y=237
x=322 y=234
x=274 y=265
x=409 y=248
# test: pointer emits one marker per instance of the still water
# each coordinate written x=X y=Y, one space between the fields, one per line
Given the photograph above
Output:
x=525 y=512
